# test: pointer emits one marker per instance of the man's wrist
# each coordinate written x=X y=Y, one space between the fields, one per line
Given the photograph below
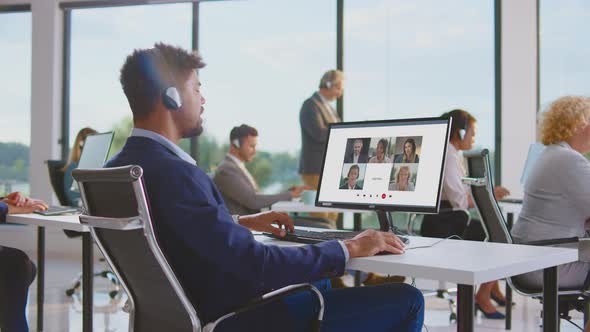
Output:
x=236 y=218
x=350 y=246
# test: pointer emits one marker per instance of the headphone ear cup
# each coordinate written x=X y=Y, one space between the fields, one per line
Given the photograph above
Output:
x=171 y=99
x=236 y=143
x=328 y=84
x=462 y=133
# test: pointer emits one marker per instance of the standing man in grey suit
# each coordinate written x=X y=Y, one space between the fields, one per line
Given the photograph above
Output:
x=315 y=115
x=237 y=186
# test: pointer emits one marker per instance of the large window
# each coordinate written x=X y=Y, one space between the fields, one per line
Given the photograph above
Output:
x=564 y=49
x=264 y=58
x=406 y=59
x=419 y=59
x=101 y=38
x=15 y=87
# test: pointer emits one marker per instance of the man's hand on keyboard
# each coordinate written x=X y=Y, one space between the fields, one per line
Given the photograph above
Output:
x=265 y=221
x=371 y=242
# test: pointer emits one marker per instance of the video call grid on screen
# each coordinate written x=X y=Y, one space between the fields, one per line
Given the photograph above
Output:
x=398 y=164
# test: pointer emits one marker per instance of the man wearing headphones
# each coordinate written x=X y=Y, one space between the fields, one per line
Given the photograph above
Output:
x=315 y=116
x=237 y=186
x=214 y=254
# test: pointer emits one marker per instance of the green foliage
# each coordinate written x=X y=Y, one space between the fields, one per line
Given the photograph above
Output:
x=122 y=131
x=14 y=162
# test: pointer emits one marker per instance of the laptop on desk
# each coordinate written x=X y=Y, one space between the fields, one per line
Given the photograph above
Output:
x=94 y=155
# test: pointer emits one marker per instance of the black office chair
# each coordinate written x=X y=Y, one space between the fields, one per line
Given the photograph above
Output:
x=56 y=177
x=482 y=189
x=120 y=222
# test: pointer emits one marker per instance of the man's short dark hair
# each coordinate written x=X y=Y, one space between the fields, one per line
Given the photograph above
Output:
x=148 y=72
x=241 y=132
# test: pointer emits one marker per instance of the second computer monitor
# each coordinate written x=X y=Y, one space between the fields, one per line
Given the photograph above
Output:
x=393 y=165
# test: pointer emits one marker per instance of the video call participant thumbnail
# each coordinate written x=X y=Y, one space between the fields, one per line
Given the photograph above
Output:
x=357 y=151
x=380 y=154
x=408 y=153
x=401 y=178
x=352 y=180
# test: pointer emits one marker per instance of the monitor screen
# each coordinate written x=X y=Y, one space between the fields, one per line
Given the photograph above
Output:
x=95 y=150
x=392 y=165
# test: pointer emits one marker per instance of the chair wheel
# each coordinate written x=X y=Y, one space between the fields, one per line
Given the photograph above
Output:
x=453 y=317
x=70 y=292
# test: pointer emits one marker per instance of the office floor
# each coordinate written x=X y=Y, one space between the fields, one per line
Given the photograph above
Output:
x=63 y=313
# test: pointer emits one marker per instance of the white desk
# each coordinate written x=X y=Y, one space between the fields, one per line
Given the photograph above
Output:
x=468 y=263
x=66 y=222
x=292 y=206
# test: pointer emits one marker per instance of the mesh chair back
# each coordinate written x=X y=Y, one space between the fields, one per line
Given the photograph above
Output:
x=482 y=190
x=118 y=213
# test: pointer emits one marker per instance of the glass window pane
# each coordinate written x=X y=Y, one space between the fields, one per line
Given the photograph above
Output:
x=15 y=84
x=264 y=58
x=564 y=49
x=406 y=59
x=101 y=40
x=419 y=59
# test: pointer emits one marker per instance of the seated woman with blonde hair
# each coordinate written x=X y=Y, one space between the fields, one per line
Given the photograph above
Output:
x=556 y=202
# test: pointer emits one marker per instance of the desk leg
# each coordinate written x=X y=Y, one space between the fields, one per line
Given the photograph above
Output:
x=550 y=314
x=87 y=280
x=510 y=222
x=40 y=276
x=465 y=309
x=357 y=226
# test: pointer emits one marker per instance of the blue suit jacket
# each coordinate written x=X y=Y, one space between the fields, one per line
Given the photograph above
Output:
x=220 y=263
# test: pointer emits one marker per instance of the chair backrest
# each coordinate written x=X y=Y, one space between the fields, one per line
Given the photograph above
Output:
x=482 y=190
x=56 y=177
x=118 y=214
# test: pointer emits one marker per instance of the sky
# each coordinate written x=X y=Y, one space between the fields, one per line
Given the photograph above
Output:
x=265 y=57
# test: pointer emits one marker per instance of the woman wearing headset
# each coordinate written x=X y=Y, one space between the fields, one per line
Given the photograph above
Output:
x=456 y=195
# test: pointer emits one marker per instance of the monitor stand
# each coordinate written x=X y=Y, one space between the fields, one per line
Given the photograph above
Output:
x=386 y=222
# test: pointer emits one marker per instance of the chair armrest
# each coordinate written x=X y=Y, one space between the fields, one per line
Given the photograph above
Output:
x=478 y=182
x=270 y=297
x=123 y=224
x=552 y=242
x=580 y=244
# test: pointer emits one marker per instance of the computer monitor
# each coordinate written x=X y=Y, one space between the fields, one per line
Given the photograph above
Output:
x=96 y=150
x=391 y=165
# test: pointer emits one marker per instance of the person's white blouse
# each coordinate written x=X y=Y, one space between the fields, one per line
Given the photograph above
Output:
x=454 y=190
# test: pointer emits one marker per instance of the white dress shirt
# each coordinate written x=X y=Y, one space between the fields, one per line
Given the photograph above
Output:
x=454 y=190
